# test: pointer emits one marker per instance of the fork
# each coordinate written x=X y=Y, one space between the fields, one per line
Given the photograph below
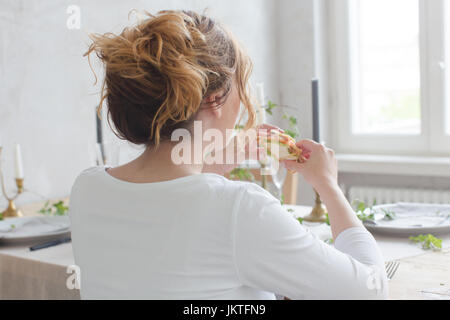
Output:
x=391 y=268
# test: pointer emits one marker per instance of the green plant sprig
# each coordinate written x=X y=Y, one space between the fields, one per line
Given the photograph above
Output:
x=327 y=219
x=242 y=174
x=56 y=209
x=293 y=130
x=270 y=106
x=363 y=211
x=389 y=214
x=428 y=242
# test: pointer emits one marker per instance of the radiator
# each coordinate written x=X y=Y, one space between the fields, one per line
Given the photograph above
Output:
x=394 y=195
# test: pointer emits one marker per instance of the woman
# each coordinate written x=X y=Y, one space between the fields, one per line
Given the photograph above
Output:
x=156 y=229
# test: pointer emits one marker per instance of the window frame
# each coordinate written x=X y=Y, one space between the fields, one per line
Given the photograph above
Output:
x=432 y=140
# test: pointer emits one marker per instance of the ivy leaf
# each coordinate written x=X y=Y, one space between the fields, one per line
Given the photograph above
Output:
x=291 y=133
x=61 y=209
x=364 y=217
x=327 y=219
x=293 y=120
x=46 y=209
x=428 y=242
x=58 y=208
x=389 y=214
x=242 y=174
x=361 y=206
x=270 y=107
x=363 y=211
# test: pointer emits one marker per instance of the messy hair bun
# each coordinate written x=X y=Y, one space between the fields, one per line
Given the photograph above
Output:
x=158 y=72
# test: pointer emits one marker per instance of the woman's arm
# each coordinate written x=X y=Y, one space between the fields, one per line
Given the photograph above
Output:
x=274 y=252
x=320 y=170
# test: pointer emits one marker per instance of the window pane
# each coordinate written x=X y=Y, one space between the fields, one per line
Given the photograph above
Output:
x=447 y=66
x=386 y=66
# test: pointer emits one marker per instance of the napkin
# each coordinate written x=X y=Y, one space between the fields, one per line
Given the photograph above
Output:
x=436 y=293
x=31 y=226
x=415 y=215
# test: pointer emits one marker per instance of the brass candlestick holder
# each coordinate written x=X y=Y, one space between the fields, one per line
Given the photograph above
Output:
x=11 y=211
x=318 y=213
x=264 y=171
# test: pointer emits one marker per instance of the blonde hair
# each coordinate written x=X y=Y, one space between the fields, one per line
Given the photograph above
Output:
x=158 y=73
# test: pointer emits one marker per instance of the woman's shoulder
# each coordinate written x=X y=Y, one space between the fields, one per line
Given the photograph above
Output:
x=237 y=191
x=250 y=195
x=91 y=171
x=84 y=176
x=237 y=185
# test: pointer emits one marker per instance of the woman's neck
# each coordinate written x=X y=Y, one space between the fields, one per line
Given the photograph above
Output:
x=155 y=165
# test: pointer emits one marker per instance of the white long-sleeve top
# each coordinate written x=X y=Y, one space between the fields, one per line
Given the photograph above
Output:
x=206 y=237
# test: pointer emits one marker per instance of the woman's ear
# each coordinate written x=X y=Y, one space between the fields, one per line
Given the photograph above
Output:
x=213 y=104
x=216 y=111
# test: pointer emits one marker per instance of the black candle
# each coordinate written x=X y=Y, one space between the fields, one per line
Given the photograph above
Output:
x=98 y=121
x=315 y=109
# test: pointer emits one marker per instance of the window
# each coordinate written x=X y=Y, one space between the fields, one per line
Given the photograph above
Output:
x=388 y=66
x=388 y=76
x=447 y=59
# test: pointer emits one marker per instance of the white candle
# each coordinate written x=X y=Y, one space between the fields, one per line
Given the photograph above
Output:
x=261 y=103
x=19 y=165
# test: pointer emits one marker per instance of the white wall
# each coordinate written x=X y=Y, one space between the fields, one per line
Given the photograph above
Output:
x=46 y=96
x=302 y=46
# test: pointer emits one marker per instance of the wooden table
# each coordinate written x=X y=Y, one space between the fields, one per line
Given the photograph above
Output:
x=42 y=274
x=420 y=275
x=426 y=276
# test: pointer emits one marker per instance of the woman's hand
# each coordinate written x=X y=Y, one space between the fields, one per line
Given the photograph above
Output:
x=320 y=167
x=263 y=129
x=239 y=150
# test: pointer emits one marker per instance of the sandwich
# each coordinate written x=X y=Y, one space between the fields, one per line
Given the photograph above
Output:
x=280 y=146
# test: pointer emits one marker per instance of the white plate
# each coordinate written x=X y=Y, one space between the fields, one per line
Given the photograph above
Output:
x=33 y=229
x=411 y=219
